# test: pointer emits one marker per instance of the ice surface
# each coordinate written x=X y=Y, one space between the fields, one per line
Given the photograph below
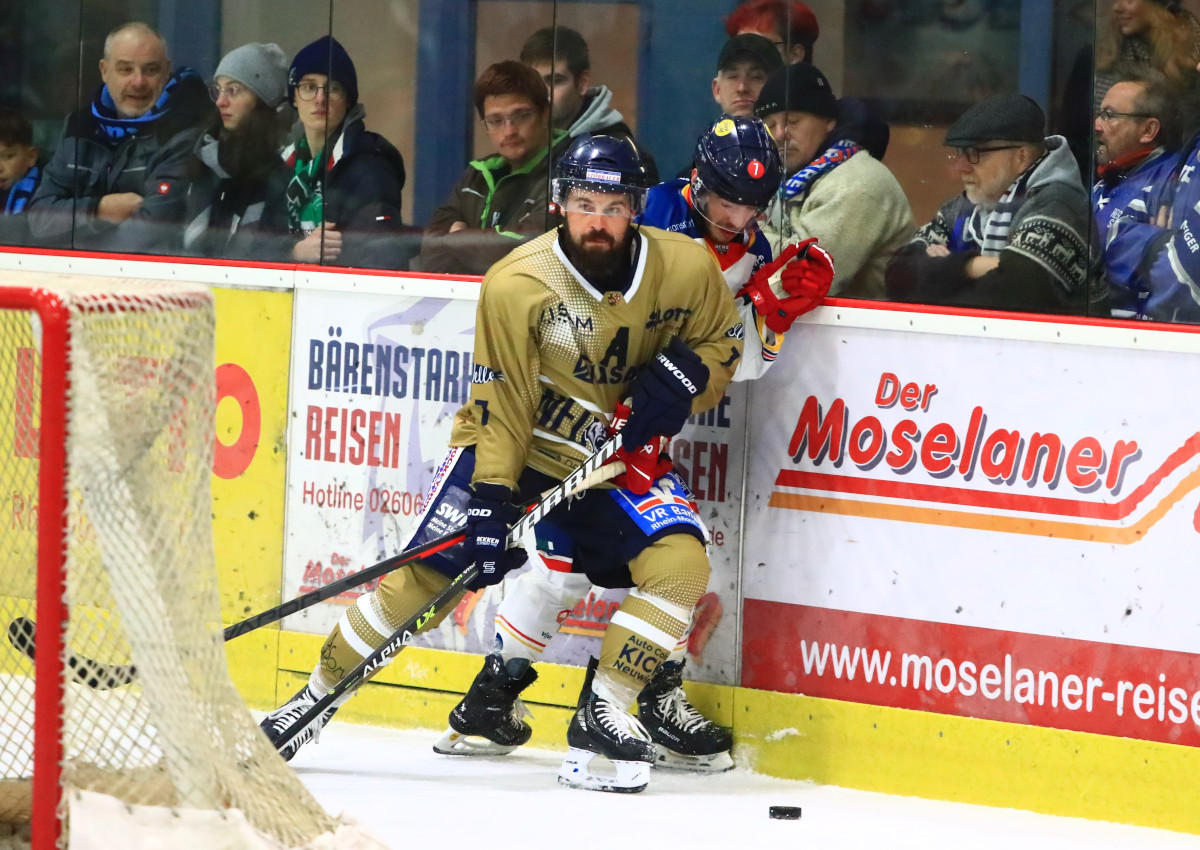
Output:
x=393 y=783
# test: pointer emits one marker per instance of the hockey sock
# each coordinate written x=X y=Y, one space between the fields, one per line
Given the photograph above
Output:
x=376 y=615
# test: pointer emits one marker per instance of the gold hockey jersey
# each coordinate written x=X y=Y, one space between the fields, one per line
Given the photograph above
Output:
x=554 y=355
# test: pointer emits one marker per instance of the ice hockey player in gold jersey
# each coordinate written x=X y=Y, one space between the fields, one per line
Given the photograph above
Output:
x=736 y=175
x=568 y=326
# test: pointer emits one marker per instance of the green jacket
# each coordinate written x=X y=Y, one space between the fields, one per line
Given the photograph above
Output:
x=502 y=208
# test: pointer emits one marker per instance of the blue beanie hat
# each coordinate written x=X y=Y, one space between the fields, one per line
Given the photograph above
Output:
x=325 y=56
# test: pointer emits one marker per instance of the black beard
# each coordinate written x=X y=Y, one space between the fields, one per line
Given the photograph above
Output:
x=598 y=261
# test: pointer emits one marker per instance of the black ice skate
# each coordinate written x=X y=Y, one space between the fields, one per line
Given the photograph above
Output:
x=684 y=739
x=490 y=719
x=601 y=728
x=285 y=717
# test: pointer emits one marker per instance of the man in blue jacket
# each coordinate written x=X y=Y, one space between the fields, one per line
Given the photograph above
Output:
x=116 y=180
x=1135 y=159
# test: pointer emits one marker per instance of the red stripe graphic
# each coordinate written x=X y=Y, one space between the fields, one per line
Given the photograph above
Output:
x=992 y=499
x=967 y=671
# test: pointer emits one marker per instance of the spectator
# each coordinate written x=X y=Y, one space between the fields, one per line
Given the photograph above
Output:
x=345 y=182
x=1156 y=34
x=561 y=56
x=238 y=156
x=1168 y=276
x=1018 y=236
x=116 y=180
x=791 y=27
x=1135 y=163
x=743 y=66
x=835 y=189
x=502 y=200
x=19 y=175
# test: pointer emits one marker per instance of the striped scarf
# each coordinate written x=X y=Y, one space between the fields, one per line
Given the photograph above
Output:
x=798 y=185
x=989 y=228
x=21 y=192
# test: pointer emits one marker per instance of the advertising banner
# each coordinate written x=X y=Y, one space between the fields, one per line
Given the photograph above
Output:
x=375 y=382
x=951 y=524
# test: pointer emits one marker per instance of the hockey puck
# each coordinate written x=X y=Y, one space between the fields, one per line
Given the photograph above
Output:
x=784 y=812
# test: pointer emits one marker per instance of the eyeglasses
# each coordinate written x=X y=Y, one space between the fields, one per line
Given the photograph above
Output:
x=971 y=154
x=307 y=91
x=1110 y=115
x=518 y=119
x=233 y=92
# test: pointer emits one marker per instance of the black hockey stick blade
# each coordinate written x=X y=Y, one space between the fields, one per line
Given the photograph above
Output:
x=22 y=634
x=588 y=474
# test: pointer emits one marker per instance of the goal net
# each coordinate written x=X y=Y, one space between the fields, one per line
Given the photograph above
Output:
x=117 y=712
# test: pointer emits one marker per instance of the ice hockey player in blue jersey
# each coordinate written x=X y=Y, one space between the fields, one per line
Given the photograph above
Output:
x=737 y=172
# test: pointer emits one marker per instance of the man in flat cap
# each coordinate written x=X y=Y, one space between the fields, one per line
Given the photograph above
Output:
x=1017 y=238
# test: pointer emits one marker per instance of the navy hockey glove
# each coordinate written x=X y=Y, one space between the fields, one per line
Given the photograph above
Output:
x=662 y=394
x=490 y=513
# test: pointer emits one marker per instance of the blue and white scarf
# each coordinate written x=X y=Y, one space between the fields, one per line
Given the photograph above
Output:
x=798 y=185
x=115 y=126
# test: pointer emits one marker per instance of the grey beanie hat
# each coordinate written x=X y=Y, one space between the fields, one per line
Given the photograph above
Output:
x=1001 y=117
x=262 y=68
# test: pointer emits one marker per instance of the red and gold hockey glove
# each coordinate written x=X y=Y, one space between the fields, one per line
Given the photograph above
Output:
x=643 y=465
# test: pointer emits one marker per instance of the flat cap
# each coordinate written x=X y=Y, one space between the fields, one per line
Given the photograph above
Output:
x=1007 y=117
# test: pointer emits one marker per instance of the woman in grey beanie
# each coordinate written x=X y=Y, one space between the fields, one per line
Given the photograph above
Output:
x=235 y=161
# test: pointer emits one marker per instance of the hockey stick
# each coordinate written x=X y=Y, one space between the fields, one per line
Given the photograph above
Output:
x=22 y=634
x=591 y=472
x=95 y=674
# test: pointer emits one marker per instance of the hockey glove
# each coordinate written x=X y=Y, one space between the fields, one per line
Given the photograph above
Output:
x=662 y=394
x=794 y=283
x=490 y=512
x=644 y=465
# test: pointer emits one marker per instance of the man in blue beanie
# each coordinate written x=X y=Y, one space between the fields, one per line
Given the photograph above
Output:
x=342 y=202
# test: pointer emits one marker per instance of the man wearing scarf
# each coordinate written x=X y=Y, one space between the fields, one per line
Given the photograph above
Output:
x=116 y=180
x=836 y=190
x=1018 y=237
x=1135 y=162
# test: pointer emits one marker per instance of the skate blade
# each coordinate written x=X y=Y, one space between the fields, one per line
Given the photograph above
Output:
x=670 y=760
x=457 y=744
x=622 y=777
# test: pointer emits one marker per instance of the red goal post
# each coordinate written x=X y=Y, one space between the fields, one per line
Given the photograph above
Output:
x=107 y=399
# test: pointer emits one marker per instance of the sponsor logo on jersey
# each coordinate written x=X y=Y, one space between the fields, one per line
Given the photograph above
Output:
x=559 y=313
x=671 y=314
x=481 y=374
x=603 y=176
x=738 y=331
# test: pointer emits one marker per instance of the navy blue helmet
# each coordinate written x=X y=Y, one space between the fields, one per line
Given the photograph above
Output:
x=601 y=164
x=736 y=160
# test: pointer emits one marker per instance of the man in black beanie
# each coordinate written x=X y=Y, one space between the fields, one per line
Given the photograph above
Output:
x=835 y=189
x=1017 y=238
x=342 y=201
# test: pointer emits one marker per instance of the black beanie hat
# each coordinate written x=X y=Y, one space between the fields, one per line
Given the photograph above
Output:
x=797 y=88
x=327 y=57
x=1001 y=117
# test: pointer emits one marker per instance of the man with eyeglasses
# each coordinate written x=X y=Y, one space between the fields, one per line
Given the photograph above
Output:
x=500 y=200
x=342 y=201
x=1018 y=237
x=116 y=180
x=1135 y=160
x=1168 y=274
x=834 y=188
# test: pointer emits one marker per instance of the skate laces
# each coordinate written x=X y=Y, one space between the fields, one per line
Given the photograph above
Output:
x=284 y=717
x=520 y=711
x=621 y=724
x=674 y=706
